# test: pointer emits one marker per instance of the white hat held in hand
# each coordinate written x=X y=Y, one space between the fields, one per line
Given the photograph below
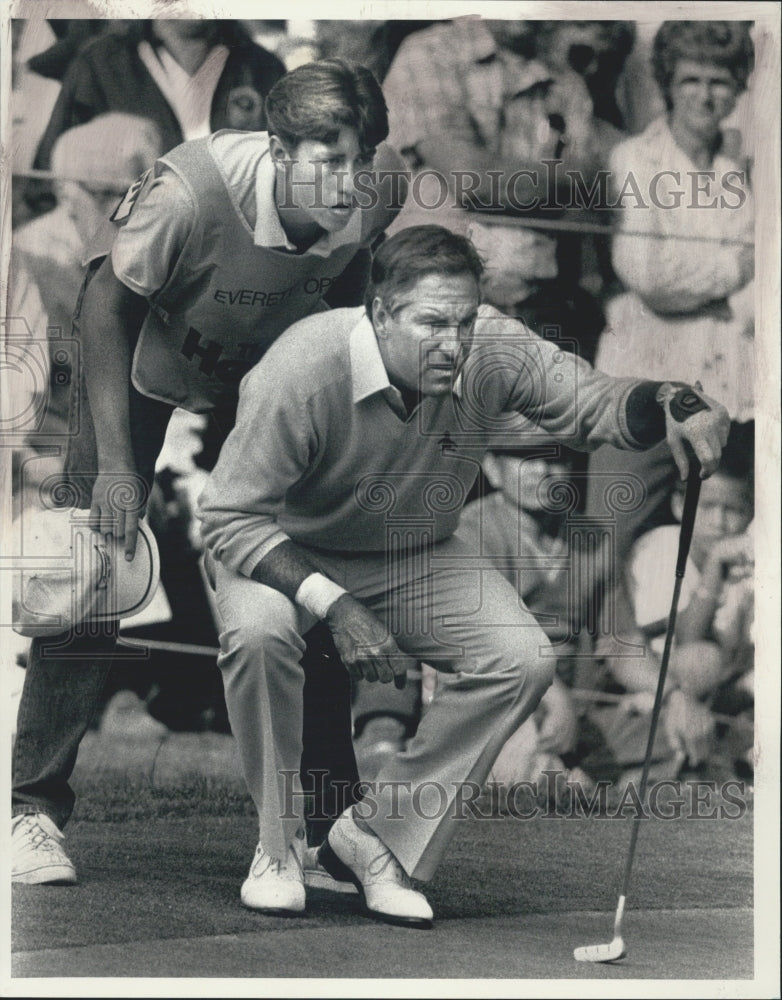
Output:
x=66 y=573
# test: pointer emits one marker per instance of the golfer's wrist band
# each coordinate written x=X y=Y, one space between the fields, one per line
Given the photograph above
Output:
x=317 y=593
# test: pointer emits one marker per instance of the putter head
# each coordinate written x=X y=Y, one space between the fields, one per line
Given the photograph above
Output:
x=610 y=952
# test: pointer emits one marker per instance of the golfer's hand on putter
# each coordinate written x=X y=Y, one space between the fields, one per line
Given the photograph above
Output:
x=364 y=645
x=117 y=506
x=693 y=419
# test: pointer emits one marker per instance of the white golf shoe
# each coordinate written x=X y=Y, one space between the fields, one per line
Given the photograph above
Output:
x=350 y=853
x=273 y=886
x=38 y=857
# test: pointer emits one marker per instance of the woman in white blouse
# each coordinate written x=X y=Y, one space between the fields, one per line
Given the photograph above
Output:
x=684 y=253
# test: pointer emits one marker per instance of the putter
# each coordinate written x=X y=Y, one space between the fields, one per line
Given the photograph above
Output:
x=615 y=949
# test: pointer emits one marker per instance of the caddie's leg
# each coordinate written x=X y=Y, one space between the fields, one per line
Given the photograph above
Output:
x=62 y=688
x=66 y=674
x=261 y=647
x=493 y=670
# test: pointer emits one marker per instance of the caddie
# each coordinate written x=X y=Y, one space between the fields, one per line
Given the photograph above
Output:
x=213 y=253
x=337 y=496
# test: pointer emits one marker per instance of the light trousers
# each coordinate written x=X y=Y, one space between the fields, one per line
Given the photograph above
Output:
x=441 y=607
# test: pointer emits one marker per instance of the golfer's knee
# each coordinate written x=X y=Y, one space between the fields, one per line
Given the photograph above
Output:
x=259 y=642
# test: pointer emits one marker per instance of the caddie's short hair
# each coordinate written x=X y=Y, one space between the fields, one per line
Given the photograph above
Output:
x=315 y=100
x=412 y=254
x=726 y=43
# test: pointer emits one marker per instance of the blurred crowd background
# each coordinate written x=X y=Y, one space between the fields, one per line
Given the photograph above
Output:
x=664 y=292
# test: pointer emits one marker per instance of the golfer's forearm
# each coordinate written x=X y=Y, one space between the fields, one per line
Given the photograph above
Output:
x=285 y=568
x=108 y=320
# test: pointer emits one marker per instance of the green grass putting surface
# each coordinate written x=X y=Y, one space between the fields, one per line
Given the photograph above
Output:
x=162 y=838
x=504 y=883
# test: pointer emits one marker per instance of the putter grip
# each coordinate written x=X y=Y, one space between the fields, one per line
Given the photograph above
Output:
x=688 y=516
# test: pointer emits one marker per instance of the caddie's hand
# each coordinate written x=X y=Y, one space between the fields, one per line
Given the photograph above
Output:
x=693 y=419
x=118 y=504
x=364 y=645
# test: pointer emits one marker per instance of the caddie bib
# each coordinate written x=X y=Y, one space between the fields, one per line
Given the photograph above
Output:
x=226 y=299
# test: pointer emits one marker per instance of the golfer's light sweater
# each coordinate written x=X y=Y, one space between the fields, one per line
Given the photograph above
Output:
x=324 y=453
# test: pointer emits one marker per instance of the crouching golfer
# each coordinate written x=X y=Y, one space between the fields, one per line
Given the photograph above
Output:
x=337 y=496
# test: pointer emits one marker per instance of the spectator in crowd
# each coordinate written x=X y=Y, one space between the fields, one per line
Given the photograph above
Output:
x=522 y=529
x=337 y=497
x=371 y=43
x=711 y=666
x=688 y=269
x=97 y=162
x=207 y=260
x=190 y=77
x=470 y=95
x=526 y=277
x=30 y=103
x=26 y=352
x=71 y=35
x=593 y=52
x=597 y=51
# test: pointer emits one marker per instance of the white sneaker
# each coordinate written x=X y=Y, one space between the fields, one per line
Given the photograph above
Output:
x=316 y=876
x=351 y=853
x=38 y=858
x=276 y=886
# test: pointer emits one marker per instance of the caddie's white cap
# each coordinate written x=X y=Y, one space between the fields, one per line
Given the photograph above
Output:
x=67 y=573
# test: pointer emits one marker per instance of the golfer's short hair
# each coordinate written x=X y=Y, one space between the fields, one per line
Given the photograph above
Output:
x=414 y=253
x=726 y=43
x=316 y=100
